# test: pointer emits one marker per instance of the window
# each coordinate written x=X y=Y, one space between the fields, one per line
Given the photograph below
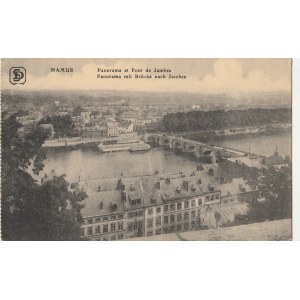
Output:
x=120 y=216
x=158 y=210
x=90 y=221
x=212 y=197
x=120 y=226
x=105 y=219
x=172 y=218
x=217 y=196
x=179 y=217
x=200 y=201
x=150 y=211
x=150 y=222
x=193 y=224
x=120 y=237
x=82 y=232
x=138 y=201
x=166 y=220
x=178 y=227
x=158 y=231
x=105 y=228
x=105 y=238
x=179 y=205
x=166 y=208
x=186 y=204
x=193 y=214
x=140 y=213
x=113 y=238
x=186 y=226
x=112 y=227
x=193 y=203
x=130 y=226
x=186 y=215
x=172 y=228
x=158 y=221
x=130 y=215
x=90 y=230
x=172 y=207
x=98 y=220
x=149 y=233
x=113 y=217
x=97 y=230
x=207 y=198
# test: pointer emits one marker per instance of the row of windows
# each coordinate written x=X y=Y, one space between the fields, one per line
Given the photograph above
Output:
x=136 y=201
x=138 y=225
x=113 y=238
x=103 y=219
x=135 y=214
x=212 y=197
x=173 y=228
x=171 y=218
x=182 y=205
x=101 y=229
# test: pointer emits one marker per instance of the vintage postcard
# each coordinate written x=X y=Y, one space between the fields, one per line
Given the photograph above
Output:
x=146 y=149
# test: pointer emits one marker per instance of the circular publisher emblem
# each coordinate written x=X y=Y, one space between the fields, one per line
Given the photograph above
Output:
x=17 y=75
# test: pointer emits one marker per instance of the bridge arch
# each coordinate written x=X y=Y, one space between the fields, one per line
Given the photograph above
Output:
x=177 y=144
x=151 y=139
x=207 y=152
x=191 y=148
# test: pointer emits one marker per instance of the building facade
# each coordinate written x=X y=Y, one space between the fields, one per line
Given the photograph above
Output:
x=123 y=208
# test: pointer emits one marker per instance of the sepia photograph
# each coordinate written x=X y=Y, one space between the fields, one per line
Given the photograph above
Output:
x=176 y=149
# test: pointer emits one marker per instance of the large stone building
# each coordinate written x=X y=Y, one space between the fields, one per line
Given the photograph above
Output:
x=104 y=129
x=122 y=207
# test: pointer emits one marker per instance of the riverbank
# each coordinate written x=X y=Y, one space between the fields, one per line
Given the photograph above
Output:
x=204 y=136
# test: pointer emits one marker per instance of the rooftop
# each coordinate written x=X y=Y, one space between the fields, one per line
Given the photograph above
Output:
x=145 y=191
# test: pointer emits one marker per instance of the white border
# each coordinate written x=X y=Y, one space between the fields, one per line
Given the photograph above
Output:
x=148 y=270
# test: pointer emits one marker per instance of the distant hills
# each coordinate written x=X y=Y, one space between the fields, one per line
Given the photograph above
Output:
x=274 y=99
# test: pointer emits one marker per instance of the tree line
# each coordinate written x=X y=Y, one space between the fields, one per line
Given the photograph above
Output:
x=221 y=119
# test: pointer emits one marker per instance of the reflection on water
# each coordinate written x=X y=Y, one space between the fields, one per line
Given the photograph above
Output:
x=91 y=164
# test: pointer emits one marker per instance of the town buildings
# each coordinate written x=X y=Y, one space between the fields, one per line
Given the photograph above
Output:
x=122 y=208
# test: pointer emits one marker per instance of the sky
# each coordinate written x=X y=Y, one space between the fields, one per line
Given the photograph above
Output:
x=236 y=76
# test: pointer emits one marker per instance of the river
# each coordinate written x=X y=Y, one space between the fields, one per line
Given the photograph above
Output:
x=88 y=164
x=264 y=144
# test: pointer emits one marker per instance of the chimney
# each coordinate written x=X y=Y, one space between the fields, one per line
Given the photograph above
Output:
x=186 y=185
x=124 y=196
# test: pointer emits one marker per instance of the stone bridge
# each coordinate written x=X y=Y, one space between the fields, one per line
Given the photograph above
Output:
x=190 y=146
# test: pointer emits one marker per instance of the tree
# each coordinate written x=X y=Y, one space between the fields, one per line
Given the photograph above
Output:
x=31 y=211
x=63 y=125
